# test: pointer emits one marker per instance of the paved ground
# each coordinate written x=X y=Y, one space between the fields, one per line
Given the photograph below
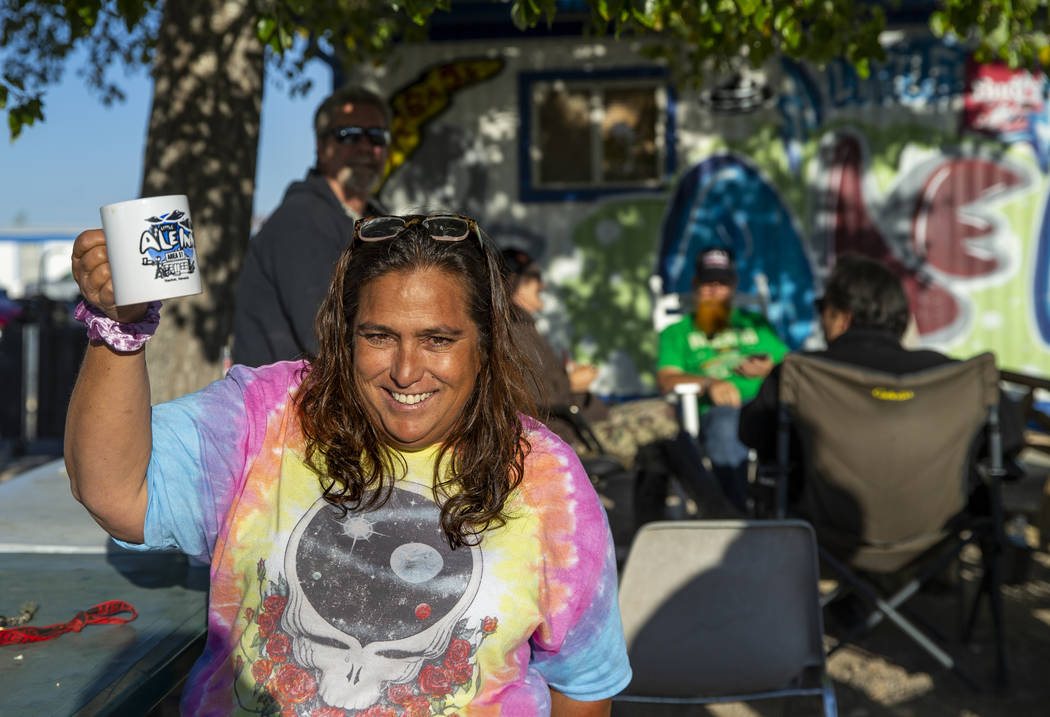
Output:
x=17 y=466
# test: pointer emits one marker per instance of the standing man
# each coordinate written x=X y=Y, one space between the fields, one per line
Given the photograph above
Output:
x=290 y=260
x=727 y=351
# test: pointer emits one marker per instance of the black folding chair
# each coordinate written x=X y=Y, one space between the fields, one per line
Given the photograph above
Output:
x=724 y=611
x=886 y=470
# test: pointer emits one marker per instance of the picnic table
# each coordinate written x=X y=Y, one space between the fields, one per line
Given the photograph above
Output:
x=53 y=554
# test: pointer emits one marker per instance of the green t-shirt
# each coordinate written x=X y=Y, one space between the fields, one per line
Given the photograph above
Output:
x=683 y=346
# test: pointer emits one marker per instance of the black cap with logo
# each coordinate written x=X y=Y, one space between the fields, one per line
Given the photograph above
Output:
x=715 y=264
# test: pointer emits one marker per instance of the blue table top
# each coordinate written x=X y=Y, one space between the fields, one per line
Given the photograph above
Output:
x=104 y=669
x=53 y=553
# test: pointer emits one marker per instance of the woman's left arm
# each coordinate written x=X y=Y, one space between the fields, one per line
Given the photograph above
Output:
x=579 y=649
x=562 y=706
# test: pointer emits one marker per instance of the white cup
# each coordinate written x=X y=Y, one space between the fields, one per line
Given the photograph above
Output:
x=151 y=250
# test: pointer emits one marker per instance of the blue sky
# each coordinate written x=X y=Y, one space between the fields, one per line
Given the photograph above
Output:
x=84 y=155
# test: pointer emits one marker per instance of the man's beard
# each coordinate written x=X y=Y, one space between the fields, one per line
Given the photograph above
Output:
x=712 y=316
x=360 y=177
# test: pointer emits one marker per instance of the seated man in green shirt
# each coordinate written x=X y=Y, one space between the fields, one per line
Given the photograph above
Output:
x=727 y=351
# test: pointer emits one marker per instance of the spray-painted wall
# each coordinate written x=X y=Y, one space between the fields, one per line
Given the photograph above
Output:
x=934 y=164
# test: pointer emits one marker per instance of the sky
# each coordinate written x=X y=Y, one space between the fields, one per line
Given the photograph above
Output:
x=59 y=172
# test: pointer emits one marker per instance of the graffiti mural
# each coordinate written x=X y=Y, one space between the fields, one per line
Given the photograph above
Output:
x=426 y=97
x=938 y=227
x=934 y=164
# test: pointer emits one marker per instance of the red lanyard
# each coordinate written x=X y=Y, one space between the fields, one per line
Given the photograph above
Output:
x=106 y=613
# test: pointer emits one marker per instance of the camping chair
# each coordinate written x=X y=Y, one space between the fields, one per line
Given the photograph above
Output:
x=689 y=466
x=723 y=611
x=885 y=466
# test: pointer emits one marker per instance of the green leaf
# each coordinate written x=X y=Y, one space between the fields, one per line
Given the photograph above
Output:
x=285 y=36
x=24 y=115
x=792 y=34
x=264 y=28
x=518 y=17
x=1013 y=59
x=938 y=23
x=88 y=14
x=748 y=7
x=3 y=97
x=640 y=17
x=761 y=15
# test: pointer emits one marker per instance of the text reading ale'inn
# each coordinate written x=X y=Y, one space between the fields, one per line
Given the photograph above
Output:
x=168 y=245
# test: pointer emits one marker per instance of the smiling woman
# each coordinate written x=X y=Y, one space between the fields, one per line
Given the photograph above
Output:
x=417 y=355
x=415 y=330
x=388 y=529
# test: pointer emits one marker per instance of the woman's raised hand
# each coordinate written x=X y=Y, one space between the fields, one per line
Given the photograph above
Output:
x=90 y=264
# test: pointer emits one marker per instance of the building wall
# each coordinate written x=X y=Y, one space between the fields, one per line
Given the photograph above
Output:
x=29 y=256
x=934 y=164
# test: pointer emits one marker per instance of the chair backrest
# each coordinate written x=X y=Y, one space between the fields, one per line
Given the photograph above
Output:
x=668 y=308
x=721 y=607
x=885 y=457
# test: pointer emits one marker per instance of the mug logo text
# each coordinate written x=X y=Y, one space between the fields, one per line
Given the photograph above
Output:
x=167 y=244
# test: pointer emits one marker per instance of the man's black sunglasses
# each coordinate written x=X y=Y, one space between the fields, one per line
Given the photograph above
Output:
x=378 y=136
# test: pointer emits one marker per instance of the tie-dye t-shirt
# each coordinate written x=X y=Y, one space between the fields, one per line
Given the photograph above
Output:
x=313 y=612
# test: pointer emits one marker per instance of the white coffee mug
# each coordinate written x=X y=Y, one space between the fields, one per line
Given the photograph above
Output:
x=151 y=250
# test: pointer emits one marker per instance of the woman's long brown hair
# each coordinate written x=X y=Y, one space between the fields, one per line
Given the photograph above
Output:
x=486 y=445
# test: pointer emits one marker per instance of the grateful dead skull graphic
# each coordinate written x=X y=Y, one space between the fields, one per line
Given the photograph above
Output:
x=373 y=596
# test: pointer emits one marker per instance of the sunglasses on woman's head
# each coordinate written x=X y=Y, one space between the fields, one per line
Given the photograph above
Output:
x=378 y=136
x=442 y=227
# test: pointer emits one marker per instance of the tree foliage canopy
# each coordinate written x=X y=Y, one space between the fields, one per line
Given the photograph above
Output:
x=37 y=37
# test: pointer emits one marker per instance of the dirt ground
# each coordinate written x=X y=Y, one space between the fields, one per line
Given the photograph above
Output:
x=885 y=675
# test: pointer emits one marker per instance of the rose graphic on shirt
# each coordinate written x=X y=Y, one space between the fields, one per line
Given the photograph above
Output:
x=369 y=617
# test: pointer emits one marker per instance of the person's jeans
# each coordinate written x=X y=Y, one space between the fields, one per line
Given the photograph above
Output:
x=718 y=431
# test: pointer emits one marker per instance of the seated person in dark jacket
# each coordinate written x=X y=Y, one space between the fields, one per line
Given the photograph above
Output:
x=622 y=429
x=864 y=313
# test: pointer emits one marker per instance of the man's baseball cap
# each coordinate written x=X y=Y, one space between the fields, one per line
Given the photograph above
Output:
x=715 y=264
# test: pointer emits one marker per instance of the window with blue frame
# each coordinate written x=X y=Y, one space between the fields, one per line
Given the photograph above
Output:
x=588 y=134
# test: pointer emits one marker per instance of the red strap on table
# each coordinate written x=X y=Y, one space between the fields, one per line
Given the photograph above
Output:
x=106 y=613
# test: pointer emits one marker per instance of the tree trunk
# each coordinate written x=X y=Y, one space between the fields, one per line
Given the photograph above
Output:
x=203 y=141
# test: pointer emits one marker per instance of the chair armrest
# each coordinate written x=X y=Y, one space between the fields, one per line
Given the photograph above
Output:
x=582 y=427
x=687 y=395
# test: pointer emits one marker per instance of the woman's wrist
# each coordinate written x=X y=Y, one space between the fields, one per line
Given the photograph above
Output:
x=120 y=336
